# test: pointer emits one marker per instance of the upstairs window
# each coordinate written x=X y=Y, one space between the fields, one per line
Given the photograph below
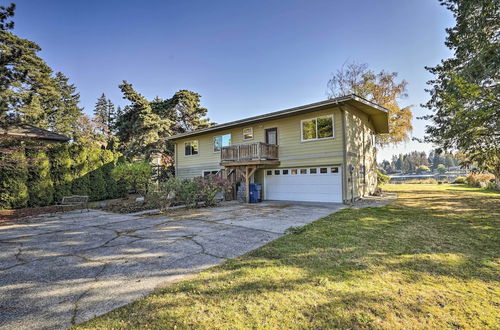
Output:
x=191 y=148
x=221 y=141
x=317 y=128
x=248 y=133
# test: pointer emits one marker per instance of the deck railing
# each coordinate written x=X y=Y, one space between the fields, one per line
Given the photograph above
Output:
x=251 y=151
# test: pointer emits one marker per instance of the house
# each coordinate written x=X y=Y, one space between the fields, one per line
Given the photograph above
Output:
x=30 y=132
x=320 y=152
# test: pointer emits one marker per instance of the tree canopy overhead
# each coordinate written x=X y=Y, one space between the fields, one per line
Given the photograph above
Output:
x=29 y=91
x=381 y=88
x=144 y=125
x=465 y=93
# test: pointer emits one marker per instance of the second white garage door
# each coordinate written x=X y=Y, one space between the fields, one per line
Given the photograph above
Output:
x=311 y=184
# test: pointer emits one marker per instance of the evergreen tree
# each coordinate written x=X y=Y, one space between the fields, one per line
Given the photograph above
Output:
x=110 y=123
x=25 y=79
x=465 y=92
x=65 y=117
x=101 y=114
x=140 y=130
x=29 y=93
x=104 y=116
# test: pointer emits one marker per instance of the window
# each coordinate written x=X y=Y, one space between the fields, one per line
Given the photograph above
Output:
x=191 y=148
x=293 y=171
x=276 y=172
x=221 y=141
x=248 y=133
x=269 y=172
x=323 y=170
x=209 y=172
x=285 y=172
x=335 y=170
x=303 y=171
x=317 y=128
x=313 y=170
x=373 y=140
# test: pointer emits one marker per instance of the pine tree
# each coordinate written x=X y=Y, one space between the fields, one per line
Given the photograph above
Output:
x=64 y=119
x=140 y=130
x=111 y=117
x=465 y=91
x=101 y=114
x=29 y=93
x=104 y=116
x=24 y=78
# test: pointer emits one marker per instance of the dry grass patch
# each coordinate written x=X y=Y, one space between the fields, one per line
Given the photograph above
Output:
x=428 y=260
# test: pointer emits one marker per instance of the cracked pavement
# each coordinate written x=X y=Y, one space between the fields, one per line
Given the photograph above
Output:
x=63 y=269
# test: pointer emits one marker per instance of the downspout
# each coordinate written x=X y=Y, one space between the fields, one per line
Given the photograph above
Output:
x=344 y=160
x=175 y=159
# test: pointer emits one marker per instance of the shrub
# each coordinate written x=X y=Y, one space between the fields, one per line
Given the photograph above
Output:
x=165 y=195
x=13 y=189
x=441 y=169
x=210 y=187
x=187 y=192
x=39 y=175
x=480 y=180
x=423 y=169
x=41 y=187
x=60 y=170
x=460 y=180
x=136 y=175
x=382 y=178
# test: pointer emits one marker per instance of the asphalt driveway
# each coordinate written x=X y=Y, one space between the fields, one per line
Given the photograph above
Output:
x=63 y=269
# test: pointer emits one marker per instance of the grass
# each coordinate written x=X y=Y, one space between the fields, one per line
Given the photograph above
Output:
x=428 y=260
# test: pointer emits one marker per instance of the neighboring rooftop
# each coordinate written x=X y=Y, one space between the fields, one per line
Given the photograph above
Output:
x=375 y=111
x=26 y=131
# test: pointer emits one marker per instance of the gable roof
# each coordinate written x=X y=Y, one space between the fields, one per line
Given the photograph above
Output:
x=26 y=131
x=375 y=111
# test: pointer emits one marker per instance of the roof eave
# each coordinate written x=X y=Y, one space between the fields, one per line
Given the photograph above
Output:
x=285 y=113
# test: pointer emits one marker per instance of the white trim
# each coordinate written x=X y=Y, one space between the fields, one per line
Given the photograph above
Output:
x=197 y=154
x=243 y=133
x=316 y=119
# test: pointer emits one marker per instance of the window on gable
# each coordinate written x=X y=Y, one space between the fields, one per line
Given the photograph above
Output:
x=317 y=128
x=191 y=148
x=221 y=141
x=248 y=133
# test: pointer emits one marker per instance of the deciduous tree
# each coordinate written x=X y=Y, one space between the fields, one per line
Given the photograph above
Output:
x=381 y=88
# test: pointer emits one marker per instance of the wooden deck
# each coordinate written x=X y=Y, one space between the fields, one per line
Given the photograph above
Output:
x=258 y=153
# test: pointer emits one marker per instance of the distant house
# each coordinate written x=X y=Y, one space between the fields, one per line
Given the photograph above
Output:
x=30 y=132
x=320 y=152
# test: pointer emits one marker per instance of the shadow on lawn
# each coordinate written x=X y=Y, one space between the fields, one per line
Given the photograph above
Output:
x=424 y=236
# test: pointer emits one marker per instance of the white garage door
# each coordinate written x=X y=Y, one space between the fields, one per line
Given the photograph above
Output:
x=311 y=184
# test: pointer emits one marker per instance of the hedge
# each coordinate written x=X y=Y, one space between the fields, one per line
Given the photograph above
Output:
x=42 y=176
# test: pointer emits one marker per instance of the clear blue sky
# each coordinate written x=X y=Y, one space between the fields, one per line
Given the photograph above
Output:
x=244 y=57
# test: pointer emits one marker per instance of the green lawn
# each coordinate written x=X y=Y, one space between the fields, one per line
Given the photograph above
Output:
x=431 y=259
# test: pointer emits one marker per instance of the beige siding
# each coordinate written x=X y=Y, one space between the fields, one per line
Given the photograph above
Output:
x=292 y=151
x=360 y=152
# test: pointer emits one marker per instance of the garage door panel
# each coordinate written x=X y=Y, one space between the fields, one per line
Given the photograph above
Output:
x=324 y=187
x=321 y=189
